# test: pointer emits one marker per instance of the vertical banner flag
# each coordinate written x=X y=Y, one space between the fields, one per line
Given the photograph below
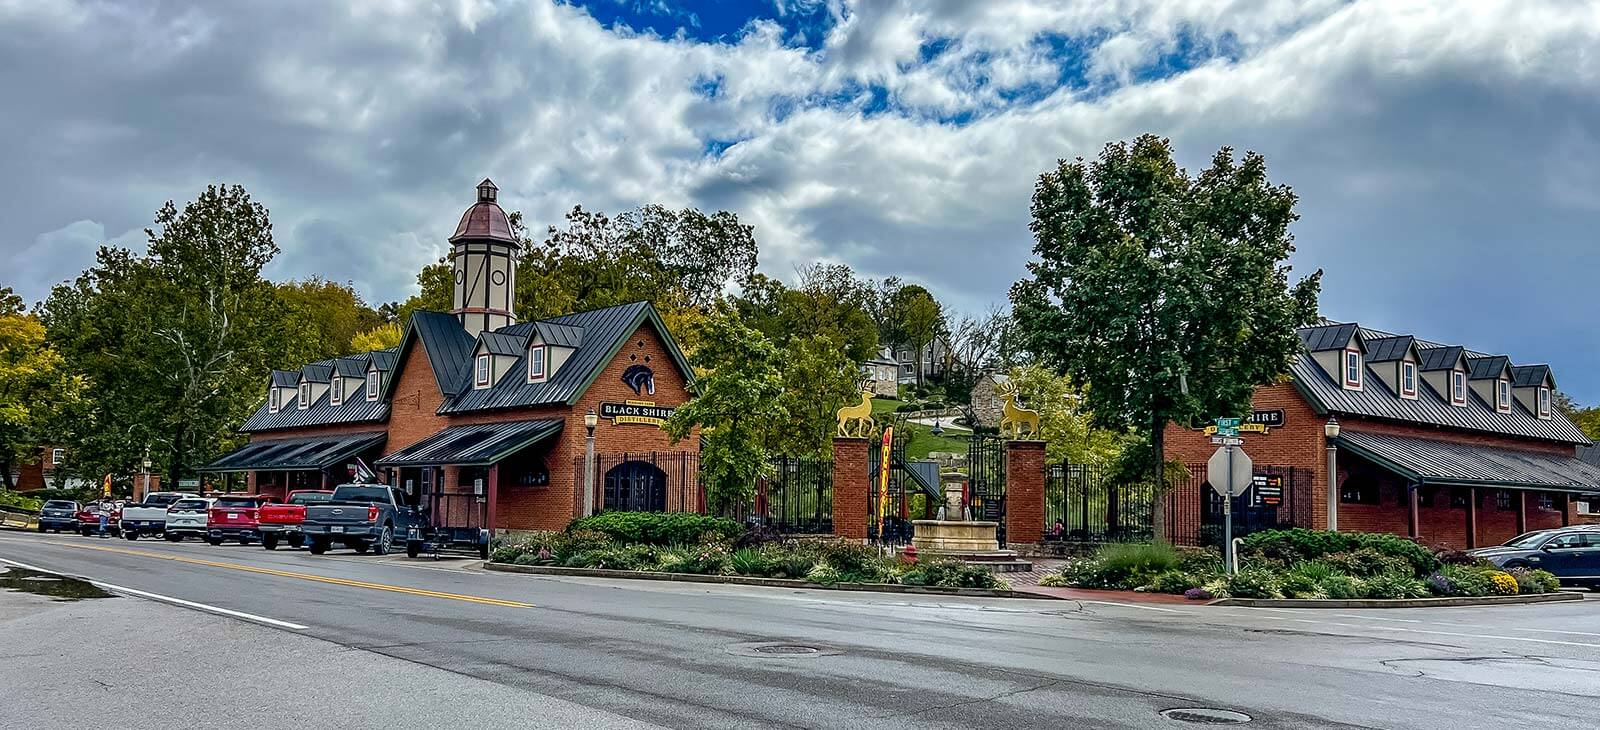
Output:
x=107 y=486
x=883 y=474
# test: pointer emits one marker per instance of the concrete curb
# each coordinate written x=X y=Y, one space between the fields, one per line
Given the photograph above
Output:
x=763 y=582
x=1395 y=602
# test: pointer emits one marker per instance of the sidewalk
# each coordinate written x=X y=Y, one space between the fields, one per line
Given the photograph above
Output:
x=1028 y=582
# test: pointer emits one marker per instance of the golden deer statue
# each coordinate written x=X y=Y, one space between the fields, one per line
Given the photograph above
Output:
x=861 y=413
x=1013 y=415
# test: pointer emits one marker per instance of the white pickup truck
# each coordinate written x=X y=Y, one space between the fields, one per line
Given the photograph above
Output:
x=149 y=518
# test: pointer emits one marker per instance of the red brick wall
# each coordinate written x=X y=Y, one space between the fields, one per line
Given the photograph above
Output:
x=850 y=485
x=1025 y=473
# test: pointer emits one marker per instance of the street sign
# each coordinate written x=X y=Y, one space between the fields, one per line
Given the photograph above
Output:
x=1227 y=440
x=1228 y=422
x=1218 y=472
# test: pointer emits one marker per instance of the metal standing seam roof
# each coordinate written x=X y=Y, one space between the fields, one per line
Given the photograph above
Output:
x=473 y=445
x=501 y=343
x=1440 y=462
x=356 y=409
x=1388 y=349
x=1375 y=400
x=1440 y=358
x=384 y=359
x=1328 y=336
x=1487 y=368
x=285 y=378
x=318 y=372
x=605 y=331
x=1528 y=376
x=449 y=349
x=559 y=335
x=308 y=452
x=353 y=366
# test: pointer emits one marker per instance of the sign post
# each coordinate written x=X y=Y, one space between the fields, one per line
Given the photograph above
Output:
x=1230 y=472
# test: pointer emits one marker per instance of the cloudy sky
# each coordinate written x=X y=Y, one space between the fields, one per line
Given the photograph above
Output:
x=1447 y=154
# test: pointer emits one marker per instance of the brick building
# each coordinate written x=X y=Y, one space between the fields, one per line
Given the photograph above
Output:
x=1437 y=442
x=476 y=414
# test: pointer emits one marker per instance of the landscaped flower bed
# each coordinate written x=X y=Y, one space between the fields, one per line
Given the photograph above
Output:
x=685 y=543
x=1306 y=564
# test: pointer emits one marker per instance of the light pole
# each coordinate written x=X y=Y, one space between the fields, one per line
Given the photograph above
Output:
x=590 y=420
x=1331 y=430
x=145 y=465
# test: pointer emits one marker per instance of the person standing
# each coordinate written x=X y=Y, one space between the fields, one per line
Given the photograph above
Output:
x=105 y=520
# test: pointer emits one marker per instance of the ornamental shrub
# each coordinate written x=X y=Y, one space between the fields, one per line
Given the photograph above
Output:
x=1541 y=581
x=1294 y=545
x=657 y=528
x=1254 y=583
x=749 y=561
x=1056 y=580
x=789 y=561
x=951 y=574
x=1502 y=583
x=1468 y=580
x=1440 y=584
x=1395 y=585
x=1198 y=594
x=1365 y=562
x=823 y=575
x=1344 y=587
x=1130 y=565
x=1175 y=581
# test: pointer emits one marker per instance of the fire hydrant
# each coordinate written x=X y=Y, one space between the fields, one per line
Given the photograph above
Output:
x=909 y=555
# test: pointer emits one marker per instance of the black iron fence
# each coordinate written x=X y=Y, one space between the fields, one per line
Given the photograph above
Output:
x=1084 y=503
x=986 y=483
x=1278 y=498
x=796 y=498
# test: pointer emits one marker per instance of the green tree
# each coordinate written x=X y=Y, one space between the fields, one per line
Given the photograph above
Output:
x=818 y=377
x=918 y=318
x=35 y=387
x=382 y=337
x=436 y=289
x=325 y=316
x=177 y=342
x=1065 y=424
x=829 y=302
x=738 y=399
x=1165 y=295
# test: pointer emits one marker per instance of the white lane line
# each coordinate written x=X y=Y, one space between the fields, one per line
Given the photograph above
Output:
x=168 y=599
x=1447 y=633
x=1129 y=605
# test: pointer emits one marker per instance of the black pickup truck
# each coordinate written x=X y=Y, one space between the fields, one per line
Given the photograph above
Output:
x=362 y=517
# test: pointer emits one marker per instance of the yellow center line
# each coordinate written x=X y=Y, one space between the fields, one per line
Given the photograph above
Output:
x=309 y=576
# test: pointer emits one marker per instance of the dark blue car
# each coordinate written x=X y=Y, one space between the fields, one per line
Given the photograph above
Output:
x=1571 y=553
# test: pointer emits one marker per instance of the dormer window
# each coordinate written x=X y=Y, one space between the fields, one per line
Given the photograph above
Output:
x=1408 y=379
x=536 y=364
x=372 y=384
x=305 y=395
x=1503 y=397
x=1458 y=388
x=1544 y=402
x=1352 y=369
x=336 y=391
x=274 y=400
x=481 y=373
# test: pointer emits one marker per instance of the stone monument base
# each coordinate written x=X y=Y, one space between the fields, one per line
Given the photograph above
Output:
x=969 y=541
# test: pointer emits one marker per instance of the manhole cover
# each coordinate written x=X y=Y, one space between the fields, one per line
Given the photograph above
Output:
x=789 y=649
x=1206 y=716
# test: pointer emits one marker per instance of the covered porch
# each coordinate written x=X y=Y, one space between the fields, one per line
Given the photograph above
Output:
x=1456 y=494
x=464 y=474
x=276 y=467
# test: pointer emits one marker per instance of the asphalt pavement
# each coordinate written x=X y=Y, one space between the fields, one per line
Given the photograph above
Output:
x=393 y=641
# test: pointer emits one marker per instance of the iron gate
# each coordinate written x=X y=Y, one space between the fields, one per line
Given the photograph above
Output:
x=986 y=481
x=1092 y=506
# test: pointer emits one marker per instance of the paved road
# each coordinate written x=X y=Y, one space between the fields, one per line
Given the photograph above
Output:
x=686 y=655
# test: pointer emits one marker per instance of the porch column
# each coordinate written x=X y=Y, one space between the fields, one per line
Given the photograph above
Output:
x=1522 y=512
x=1566 y=509
x=1472 y=517
x=1024 y=493
x=1412 y=507
x=850 y=488
x=493 y=488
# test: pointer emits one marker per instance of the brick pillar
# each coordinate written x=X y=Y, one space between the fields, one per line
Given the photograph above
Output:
x=850 y=485
x=1024 y=494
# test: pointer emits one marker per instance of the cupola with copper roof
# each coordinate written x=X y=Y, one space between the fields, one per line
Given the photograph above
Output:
x=483 y=263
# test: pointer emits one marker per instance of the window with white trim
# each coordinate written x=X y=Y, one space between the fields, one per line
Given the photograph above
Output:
x=57 y=456
x=1352 y=369
x=305 y=395
x=1503 y=397
x=1458 y=387
x=372 y=384
x=274 y=399
x=536 y=364
x=481 y=380
x=1408 y=379
x=336 y=391
x=1544 y=402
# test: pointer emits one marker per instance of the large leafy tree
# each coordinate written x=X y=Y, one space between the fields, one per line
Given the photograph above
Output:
x=917 y=318
x=818 y=377
x=176 y=342
x=1167 y=295
x=35 y=387
x=325 y=316
x=1065 y=424
x=739 y=400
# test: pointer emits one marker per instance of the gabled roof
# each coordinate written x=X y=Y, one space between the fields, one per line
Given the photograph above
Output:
x=353 y=366
x=559 y=335
x=1488 y=368
x=1329 y=336
x=384 y=359
x=285 y=378
x=449 y=349
x=605 y=331
x=1440 y=358
x=1389 y=349
x=318 y=372
x=500 y=343
x=319 y=413
x=1531 y=376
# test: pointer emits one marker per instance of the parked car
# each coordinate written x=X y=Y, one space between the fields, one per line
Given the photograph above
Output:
x=58 y=515
x=280 y=523
x=1571 y=553
x=89 y=518
x=361 y=517
x=149 y=518
x=188 y=517
x=235 y=517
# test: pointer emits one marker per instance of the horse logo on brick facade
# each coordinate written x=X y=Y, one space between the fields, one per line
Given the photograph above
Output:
x=641 y=379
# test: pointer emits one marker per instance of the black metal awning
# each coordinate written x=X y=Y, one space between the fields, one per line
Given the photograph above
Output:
x=1426 y=461
x=476 y=445
x=293 y=454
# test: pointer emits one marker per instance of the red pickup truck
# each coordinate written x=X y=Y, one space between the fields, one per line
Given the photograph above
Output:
x=235 y=517
x=89 y=518
x=281 y=522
